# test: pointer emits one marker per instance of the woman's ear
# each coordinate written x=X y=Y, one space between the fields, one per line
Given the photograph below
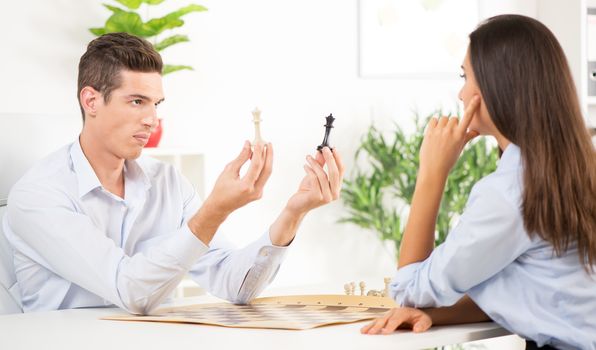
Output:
x=89 y=98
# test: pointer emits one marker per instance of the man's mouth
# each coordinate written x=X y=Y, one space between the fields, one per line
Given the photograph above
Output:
x=142 y=137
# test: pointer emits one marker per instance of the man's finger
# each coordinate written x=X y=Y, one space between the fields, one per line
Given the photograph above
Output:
x=256 y=164
x=469 y=113
x=340 y=163
x=267 y=168
x=322 y=177
x=244 y=155
x=333 y=172
x=320 y=158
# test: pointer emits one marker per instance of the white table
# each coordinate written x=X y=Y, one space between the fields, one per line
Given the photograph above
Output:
x=82 y=329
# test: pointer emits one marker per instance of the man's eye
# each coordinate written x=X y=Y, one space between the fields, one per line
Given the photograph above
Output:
x=462 y=75
x=137 y=102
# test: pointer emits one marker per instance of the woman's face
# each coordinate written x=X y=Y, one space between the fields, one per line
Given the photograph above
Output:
x=481 y=122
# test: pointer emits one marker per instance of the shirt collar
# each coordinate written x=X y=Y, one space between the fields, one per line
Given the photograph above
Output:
x=87 y=179
x=511 y=158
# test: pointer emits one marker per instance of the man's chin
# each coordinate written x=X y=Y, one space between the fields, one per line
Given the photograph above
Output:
x=133 y=154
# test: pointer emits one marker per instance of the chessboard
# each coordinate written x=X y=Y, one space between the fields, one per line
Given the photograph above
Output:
x=296 y=312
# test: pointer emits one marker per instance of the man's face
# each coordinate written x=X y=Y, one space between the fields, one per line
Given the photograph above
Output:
x=123 y=124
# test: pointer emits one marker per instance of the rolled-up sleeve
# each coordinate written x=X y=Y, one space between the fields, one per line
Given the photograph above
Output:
x=238 y=275
x=489 y=236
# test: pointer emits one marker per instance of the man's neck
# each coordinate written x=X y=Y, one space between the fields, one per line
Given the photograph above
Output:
x=108 y=167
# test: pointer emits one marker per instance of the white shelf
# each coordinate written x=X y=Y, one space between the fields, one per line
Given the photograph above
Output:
x=189 y=162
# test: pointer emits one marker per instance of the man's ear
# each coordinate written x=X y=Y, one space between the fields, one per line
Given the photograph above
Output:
x=90 y=98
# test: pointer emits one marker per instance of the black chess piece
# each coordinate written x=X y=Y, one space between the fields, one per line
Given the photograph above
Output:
x=328 y=127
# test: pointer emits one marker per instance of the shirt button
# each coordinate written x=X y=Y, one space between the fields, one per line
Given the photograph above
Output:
x=264 y=253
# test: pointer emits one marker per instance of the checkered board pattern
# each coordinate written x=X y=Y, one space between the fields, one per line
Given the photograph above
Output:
x=269 y=314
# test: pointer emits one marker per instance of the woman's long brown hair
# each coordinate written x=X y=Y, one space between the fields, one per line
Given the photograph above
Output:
x=528 y=90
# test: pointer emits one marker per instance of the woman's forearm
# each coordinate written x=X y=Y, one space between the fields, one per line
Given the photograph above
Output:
x=419 y=235
x=464 y=311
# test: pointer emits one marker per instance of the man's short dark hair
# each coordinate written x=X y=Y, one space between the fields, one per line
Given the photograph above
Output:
x=109 y=54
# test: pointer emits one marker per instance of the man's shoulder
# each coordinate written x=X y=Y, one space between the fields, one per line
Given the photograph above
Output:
x=51 y=172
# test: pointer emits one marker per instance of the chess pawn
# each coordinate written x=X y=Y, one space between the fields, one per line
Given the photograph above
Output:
x=387 y=280
x=352 y=288
x=362 y=286
x=347 y=288
x=256 y=118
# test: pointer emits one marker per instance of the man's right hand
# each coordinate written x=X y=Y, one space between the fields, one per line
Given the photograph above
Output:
x=232 y=191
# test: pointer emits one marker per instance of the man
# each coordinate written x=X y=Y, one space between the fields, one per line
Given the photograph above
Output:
x=93 y=224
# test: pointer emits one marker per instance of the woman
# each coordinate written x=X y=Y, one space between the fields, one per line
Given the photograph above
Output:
x=524 y=250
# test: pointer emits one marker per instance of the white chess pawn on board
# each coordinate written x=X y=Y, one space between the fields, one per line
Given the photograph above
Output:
x=347 y=288
x=256 y=118
x=352 y=288
x=362 y=286
x=387 y=280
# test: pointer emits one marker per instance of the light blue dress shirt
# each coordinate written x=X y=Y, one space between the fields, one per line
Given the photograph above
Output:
x=77 y=245
x=514 y=279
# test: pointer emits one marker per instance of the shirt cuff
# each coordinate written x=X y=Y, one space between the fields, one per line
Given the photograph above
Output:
x=403 y=277
x=267 y=260
x=185 y=247
x=264 y=249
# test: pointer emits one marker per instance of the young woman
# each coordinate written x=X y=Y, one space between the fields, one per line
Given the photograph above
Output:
x=523 y=253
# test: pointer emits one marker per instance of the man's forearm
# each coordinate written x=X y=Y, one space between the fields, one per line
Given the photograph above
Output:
x=419 y=234
x=283 y=230
x=205 y=223
x=464 y=311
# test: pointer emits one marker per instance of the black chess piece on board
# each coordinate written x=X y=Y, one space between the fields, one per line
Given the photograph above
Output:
x=328 y=127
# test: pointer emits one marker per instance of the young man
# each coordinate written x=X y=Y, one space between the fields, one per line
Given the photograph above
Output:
x=93 y=224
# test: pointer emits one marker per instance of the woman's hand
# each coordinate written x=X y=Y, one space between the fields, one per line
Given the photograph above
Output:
x=416 y=319
x=444 y=140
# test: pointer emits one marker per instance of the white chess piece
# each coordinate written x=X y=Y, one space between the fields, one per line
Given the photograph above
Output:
x=352 y=288
x=256 y=118
x=347 y=288
x=362 y=286
x=387 y=280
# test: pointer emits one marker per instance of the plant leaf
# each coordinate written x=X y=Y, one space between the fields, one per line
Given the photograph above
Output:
x=129 y=22
x=171 y=40
x=168 y=68
x=98 y=31
x=172 y=20
x=135 y=4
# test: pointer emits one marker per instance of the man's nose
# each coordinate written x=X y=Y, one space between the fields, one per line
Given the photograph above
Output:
x=151 y=120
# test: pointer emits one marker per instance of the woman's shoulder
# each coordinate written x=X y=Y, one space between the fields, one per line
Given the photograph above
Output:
x=506 y=185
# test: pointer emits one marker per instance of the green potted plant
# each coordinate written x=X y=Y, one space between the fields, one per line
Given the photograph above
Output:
x=126 y=18
x=380 y=191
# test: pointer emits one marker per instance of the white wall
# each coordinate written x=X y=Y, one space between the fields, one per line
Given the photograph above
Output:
x=296 y=61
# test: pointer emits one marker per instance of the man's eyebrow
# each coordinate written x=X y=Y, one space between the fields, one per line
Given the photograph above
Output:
x=462 y=67
x=143 y=97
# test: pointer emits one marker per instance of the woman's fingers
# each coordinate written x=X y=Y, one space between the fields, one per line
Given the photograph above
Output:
x=422 y=324
x=393 y=319
x=469 y=114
